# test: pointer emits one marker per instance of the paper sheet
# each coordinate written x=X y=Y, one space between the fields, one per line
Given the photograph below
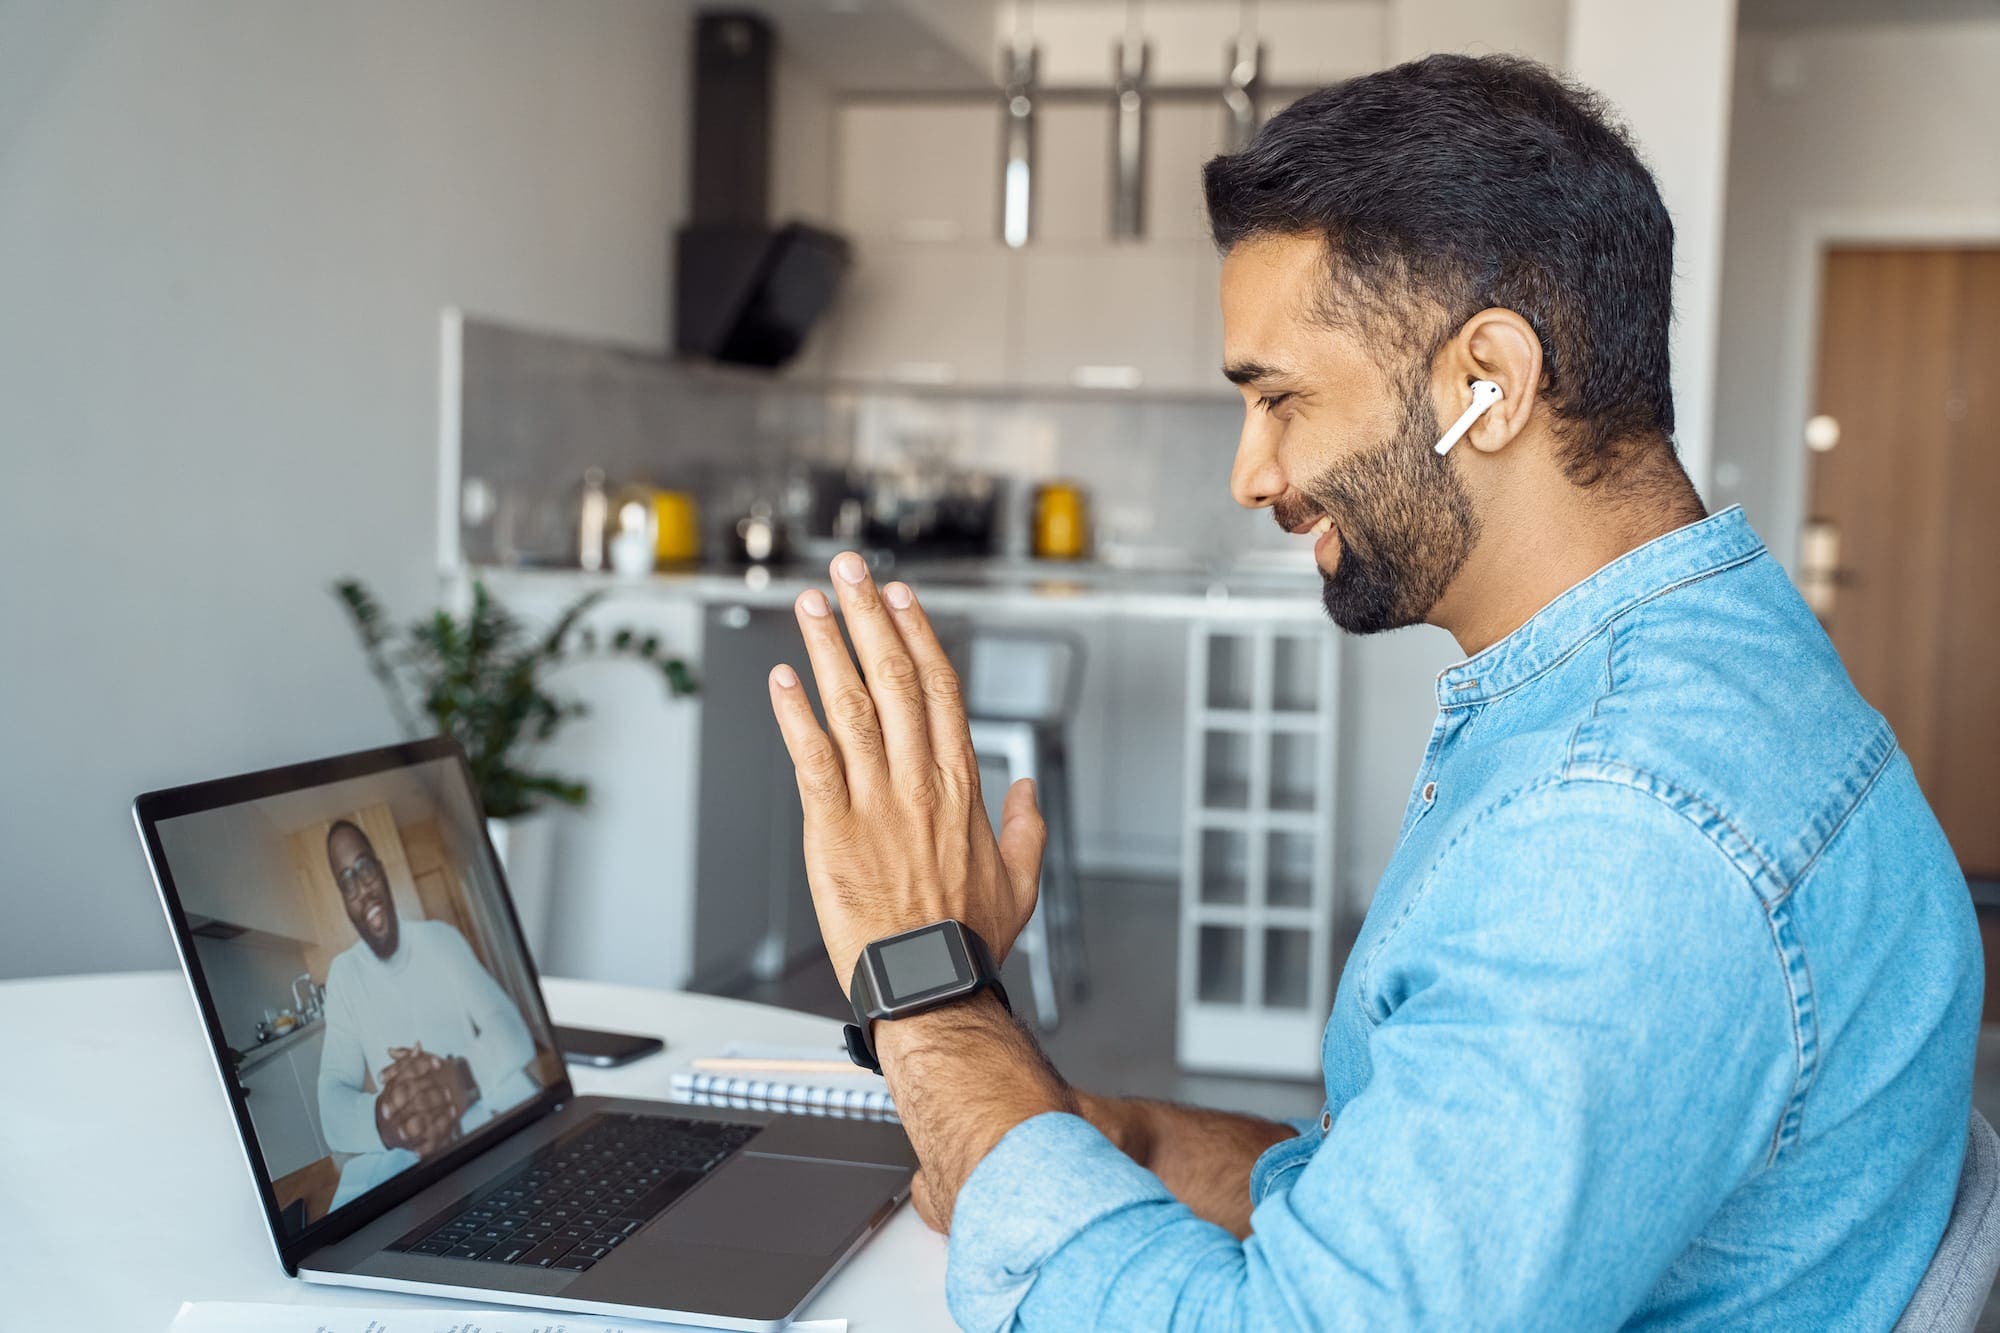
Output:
x=235 y=1317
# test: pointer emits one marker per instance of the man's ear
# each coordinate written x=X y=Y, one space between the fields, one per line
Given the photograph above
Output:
x=1498 y=345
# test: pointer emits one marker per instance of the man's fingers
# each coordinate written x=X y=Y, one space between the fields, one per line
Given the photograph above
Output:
x=822 y=783
x=944 y=700
x=887 y=667
x=850 y=711
x=1023 y=835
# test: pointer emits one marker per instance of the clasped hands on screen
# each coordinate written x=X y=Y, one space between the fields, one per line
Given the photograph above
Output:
x=423 y=1098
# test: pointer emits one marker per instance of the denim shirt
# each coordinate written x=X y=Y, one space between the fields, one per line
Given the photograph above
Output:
x=1662 y=1017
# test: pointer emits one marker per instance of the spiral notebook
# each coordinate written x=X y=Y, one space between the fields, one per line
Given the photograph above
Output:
x=856 y=1096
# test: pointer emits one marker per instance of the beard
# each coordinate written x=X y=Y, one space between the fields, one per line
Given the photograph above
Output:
x=1404 y=524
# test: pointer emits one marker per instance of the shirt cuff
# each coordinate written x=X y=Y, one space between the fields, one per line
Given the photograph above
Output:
x=1047 y=1180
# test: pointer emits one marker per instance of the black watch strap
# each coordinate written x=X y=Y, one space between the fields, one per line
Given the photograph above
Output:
x=986 y=976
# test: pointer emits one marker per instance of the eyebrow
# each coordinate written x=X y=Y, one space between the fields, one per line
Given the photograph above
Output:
x=1255 y=372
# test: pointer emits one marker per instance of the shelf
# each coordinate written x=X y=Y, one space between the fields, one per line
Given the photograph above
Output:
x=1231 y=679
x=1294 y=783
x=1295 y=675
x=1219 y=965
x=1244 y=719
x=1234 y=915
x=1225 y=771
x=1288 y=869
x=1257 y=908
x=1224 y=871
x=1287 y=968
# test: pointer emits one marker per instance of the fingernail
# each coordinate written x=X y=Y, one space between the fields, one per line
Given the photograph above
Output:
x=897 y=595
x=787 y=678
x=814 y=602
x=849 y=567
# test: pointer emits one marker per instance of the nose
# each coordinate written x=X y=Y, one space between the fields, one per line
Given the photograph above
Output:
x=1255 y=479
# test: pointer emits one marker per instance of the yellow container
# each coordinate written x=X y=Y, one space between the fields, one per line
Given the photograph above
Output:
x=676 y=528
x=1062 y=521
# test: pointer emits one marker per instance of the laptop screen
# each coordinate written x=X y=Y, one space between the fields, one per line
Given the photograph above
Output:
x=375 y=998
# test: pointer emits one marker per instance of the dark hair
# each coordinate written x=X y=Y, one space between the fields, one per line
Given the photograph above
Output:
x=352 y=827
x=1454 y=183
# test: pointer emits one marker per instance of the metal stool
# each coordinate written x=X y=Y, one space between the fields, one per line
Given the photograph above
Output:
x=1021 y=693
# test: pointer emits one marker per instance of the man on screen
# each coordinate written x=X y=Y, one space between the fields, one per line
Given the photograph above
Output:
x=409 y=1004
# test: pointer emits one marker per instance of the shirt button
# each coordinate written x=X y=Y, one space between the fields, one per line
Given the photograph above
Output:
x=1325 y=1121
x=1430 y=792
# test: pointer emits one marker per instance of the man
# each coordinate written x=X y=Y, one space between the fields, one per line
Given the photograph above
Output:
x=410 y=1006
x=1663 y=1014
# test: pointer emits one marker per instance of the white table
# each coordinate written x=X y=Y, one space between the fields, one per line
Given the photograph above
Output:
x=123 y=1190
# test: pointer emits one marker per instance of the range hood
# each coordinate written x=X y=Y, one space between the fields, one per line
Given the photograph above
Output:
x=745 y=291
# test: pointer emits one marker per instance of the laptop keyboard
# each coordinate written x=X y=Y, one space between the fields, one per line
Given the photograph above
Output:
x=579 y=1198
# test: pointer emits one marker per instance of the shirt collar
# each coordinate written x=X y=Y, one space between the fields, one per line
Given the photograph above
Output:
x=1558 y=629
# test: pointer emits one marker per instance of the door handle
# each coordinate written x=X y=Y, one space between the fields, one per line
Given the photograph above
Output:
x=1820 y=571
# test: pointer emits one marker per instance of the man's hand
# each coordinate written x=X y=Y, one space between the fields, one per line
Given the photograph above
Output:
x=896 y=833
x=422 y=1099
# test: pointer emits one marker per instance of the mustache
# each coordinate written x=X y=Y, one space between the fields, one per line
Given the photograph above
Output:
x=1294 y=509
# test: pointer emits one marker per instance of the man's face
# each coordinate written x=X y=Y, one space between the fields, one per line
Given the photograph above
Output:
x=1333 y=441
x=364 y=889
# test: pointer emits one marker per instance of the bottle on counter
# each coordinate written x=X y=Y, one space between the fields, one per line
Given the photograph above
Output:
x=593 y=520
x=676 y=528
x=632 y=544
x=1062 y=521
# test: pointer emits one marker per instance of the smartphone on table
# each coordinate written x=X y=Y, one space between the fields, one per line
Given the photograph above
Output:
x=604 y=1050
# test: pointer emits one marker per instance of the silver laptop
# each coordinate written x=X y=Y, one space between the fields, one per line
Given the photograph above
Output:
x=404 y=1110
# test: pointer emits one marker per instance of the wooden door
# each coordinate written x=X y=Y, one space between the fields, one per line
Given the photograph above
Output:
x=1903 y=542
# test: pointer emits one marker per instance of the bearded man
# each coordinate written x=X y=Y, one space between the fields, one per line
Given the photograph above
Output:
x=1663 y=1014
x=410 y=1009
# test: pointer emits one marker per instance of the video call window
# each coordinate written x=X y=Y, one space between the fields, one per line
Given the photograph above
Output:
x=358 y=950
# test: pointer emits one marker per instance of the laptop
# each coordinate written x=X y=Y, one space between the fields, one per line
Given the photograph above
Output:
x=403 y=1107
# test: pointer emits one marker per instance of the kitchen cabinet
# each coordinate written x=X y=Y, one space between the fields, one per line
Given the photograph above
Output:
x=1110 y=316
x=935 y=298
x=1073 y=165
x=920 y=313
x=1072 y=173
x=1125 y=746
x=1181 y=137
x=284 y=1102
x=622 y=897
x=1258 y=903
x=919 y=170
x=753 y=912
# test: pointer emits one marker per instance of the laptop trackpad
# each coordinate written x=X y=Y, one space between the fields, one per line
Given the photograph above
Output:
x=782 y=1204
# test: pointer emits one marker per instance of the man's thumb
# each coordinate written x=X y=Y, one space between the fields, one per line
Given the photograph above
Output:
x=1022 y=835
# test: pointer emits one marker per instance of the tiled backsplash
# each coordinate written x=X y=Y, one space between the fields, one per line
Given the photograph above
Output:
x=538 y=409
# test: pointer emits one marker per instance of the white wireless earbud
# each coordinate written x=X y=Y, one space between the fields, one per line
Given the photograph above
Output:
x=1485 y=393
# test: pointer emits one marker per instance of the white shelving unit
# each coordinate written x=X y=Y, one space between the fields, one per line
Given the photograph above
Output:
x=1257 y=884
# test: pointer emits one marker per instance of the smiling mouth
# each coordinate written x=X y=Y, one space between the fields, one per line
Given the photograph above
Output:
x=1323 y=533
x=378 y=919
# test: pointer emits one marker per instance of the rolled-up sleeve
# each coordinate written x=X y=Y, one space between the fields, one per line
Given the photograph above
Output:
x=1054 y=1191
x=1580 y=1056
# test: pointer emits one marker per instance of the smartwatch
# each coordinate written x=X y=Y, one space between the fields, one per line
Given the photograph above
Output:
x=909 y=973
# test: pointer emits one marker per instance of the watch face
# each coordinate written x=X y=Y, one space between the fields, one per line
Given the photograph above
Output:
x=914 y=967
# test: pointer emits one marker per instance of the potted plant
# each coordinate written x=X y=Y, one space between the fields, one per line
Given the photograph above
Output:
x=480 y=680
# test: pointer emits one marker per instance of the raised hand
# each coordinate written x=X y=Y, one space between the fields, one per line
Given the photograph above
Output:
x=896 y=832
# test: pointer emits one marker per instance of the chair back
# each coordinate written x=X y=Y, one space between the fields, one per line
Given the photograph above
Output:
x=1954 y=1288
x=1024 y=675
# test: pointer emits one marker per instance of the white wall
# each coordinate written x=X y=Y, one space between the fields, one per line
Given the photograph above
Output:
x=225 y=234
x=1667 y=70
x=1877 y=132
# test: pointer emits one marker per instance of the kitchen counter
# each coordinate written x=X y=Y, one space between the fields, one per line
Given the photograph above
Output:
x=1086 y=589
x=265 y=1050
